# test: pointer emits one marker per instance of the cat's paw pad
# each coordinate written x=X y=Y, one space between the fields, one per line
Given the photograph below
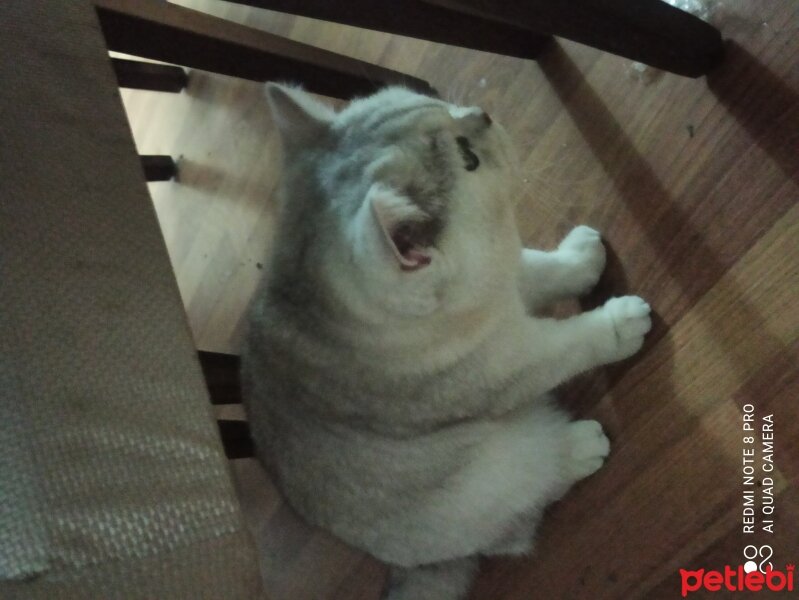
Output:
x=589 y=448
x=631 y=320
x=583 y=247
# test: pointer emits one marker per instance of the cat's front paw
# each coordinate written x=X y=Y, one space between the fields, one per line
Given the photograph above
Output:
x=583 y=248
x=589 y=447
x=630 y=319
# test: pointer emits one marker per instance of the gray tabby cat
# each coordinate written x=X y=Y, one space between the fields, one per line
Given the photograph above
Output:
x=395 y=375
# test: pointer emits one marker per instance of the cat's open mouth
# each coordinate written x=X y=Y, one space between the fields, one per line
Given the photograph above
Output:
x=409 y=255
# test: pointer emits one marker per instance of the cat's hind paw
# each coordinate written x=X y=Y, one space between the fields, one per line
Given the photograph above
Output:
x=589 y=448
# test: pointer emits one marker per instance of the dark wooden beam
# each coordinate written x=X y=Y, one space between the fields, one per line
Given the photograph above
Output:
x=236 y=438
x=221 y=373
x=158 y=168
x=141 y=75
x=164 y=31
x=416 y=19
x=649 y=31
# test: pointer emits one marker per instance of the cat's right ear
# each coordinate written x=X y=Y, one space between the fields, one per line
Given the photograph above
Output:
x=300 y=118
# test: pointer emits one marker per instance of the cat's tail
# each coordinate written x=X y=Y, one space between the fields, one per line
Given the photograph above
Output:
x=449 y=580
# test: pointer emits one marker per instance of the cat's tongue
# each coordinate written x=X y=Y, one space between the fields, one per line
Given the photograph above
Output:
x=413 y=259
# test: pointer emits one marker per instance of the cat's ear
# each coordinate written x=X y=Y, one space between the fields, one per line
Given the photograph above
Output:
x=300 y=118
x=405 y=229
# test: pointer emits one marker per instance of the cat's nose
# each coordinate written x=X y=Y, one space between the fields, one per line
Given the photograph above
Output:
x=487 y=118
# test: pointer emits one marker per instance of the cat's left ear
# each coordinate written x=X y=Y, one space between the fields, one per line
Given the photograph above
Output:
x=300 y=118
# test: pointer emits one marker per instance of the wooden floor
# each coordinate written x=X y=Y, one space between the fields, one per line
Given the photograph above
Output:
x=694 y=184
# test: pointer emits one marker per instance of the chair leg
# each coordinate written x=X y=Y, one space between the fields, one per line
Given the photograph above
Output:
x=649 y=31
x=140 y=75
x=419 y=20
x=158 y=168
x=221 y=373
x=236 y=438
x=178 y=35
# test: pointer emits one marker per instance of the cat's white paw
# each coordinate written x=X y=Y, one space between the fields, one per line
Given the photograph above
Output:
x=584 y=249
x=589 y=448
x=630 y=317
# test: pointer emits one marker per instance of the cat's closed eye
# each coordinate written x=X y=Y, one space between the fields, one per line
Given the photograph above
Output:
x=470 y=159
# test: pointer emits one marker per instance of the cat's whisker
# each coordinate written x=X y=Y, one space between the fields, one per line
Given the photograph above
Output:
x=456 y=92
x=466 y=92
x=448 y=95
x=459 y=93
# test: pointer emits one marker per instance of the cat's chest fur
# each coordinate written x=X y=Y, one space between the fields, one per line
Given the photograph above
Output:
x=406 y=382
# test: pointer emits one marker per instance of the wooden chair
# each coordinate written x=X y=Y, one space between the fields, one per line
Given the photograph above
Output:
x=140 y=75
x=648 y=31
x=162 y=31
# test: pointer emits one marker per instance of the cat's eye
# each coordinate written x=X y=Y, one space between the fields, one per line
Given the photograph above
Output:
x=470 y=160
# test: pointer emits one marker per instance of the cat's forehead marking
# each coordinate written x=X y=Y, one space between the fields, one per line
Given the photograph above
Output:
x=382 y=118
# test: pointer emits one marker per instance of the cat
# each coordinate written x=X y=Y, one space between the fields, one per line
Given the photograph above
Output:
x=396 y=380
